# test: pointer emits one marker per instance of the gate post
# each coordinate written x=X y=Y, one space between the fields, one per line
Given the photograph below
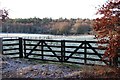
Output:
x=62 y=50
x=85 y=52
x=115 y=60
x=1 y=52
x=1 y=56
x=20 y=48
x=42 y=49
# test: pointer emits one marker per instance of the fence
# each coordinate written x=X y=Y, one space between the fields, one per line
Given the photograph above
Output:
x=78 y=52
x=12 y=47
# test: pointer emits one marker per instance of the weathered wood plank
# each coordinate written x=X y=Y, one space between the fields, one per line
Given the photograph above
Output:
x=10 y=40
x=11 y=44
x=9 y=49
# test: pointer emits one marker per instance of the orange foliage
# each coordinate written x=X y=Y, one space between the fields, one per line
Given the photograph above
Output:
x=108 y=27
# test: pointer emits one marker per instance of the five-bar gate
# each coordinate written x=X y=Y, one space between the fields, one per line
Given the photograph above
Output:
x=69 y=51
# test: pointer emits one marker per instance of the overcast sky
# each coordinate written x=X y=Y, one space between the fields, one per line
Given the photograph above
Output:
x=51 y=8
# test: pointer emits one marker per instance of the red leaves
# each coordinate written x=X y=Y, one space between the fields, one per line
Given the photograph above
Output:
x=103 y=41
x=108 y=27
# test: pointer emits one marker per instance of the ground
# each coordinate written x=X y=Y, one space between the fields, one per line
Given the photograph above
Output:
x=24 y=68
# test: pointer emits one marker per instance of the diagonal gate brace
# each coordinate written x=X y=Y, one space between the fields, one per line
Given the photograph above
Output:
x=33 y=49
x=74 y=51
x=96 y=53
x=51 y=50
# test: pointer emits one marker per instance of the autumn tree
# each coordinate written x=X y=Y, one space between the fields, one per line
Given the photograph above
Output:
x=107 y=28
x=61 y=27
x=80 y=27
x=4 y=15
x=76 y=26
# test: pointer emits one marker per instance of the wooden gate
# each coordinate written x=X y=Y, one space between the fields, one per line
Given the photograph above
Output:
x=69 y=51
x=80 y=52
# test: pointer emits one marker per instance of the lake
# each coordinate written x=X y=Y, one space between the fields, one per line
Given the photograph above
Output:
x=48 y=36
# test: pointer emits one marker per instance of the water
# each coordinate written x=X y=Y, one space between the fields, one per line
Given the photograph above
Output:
x=48 y=36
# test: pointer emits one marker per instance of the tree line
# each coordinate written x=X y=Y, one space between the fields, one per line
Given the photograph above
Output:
x=48 y=26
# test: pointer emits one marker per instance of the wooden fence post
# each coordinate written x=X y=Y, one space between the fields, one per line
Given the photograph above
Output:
x=115 y=60
x=24 y=44
x=62 y=50
x=85 y=53
x=110 y=62
x=1 y=52
x=42 y=50
x=20 y=48
x=118 y=55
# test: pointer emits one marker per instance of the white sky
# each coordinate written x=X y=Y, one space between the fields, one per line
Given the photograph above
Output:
x=51 y=8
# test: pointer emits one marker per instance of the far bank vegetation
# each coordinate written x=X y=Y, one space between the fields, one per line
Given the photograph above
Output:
x=48 y=26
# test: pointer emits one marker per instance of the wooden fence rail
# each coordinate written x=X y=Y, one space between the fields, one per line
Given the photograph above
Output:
x=69 y=51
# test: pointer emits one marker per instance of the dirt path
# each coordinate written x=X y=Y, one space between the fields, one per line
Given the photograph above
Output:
x=23 y=68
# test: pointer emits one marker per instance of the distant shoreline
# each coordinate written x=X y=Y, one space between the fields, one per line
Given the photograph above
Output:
x=51 y=34
x=48 y=36
x=36 y=35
